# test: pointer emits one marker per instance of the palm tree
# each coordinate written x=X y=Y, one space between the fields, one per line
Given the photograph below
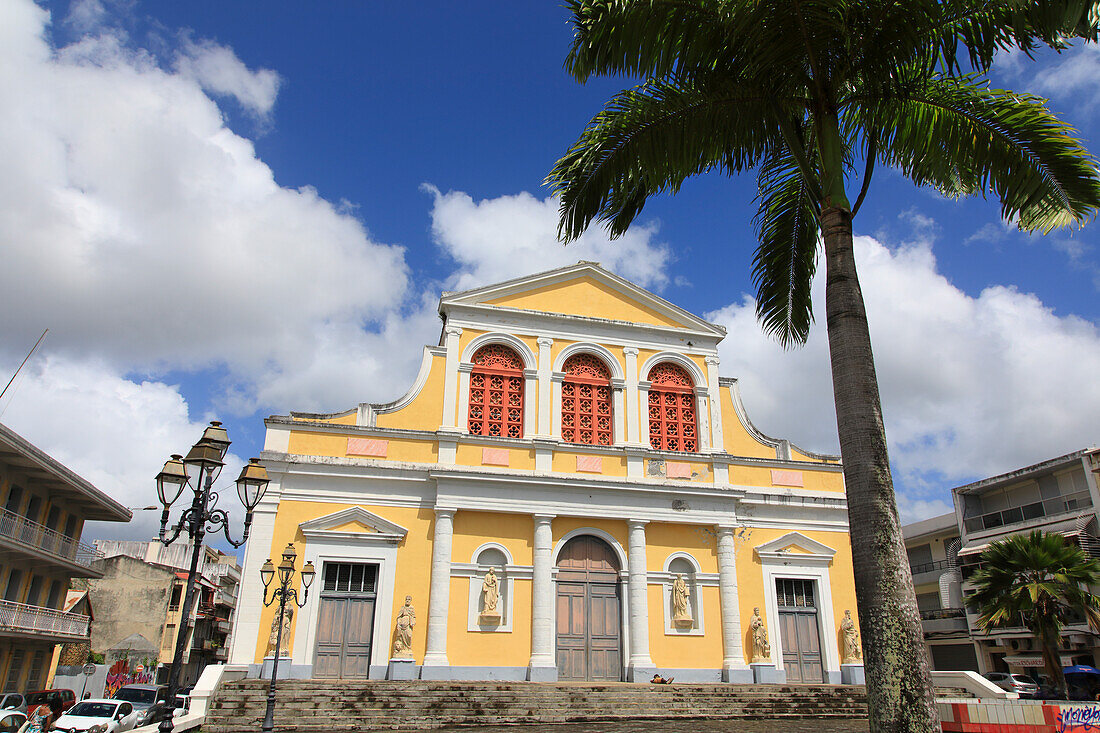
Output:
x=802 y=91
x=1042 y=579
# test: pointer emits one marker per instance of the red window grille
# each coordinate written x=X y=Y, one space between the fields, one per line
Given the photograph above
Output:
x=496 y=393
x=586 y=401
x=672 y=420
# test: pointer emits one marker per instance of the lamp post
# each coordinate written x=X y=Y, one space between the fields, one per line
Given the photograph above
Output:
x=283 y=594
x=198 y=471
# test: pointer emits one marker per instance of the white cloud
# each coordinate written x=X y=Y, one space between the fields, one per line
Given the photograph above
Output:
x=114 y=432
x=1075 y=76
x=509 y=236
x=971 y=387
x=218 y=70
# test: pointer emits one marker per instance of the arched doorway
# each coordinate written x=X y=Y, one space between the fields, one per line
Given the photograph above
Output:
x=589 y=638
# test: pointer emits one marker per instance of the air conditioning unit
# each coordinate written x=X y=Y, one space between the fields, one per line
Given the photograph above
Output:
x=1021 y=645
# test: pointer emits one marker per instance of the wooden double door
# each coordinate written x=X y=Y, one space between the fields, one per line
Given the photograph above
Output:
x=798 y=629
x=589 y=611
x=345 y=624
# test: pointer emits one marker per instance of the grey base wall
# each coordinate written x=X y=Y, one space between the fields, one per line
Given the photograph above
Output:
x=288 y=670
x=683 y=674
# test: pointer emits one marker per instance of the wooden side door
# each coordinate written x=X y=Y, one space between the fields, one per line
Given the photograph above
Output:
x=572 y=637
x=330 y=637
x=358 y=628
x=809 y=648
x=604 y=658
x=345 y=621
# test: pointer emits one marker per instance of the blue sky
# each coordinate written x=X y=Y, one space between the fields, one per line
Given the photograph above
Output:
x=223 y=211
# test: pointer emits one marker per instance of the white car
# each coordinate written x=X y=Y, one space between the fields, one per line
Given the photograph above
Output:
x=107 y=716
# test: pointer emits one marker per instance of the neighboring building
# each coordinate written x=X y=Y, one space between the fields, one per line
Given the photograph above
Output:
x=77 y=653
x=570 y=433
x=43 y=512
x=139 y=602
x=1058 y=495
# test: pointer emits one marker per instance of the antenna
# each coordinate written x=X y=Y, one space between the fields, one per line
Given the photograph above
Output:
x=28 y=356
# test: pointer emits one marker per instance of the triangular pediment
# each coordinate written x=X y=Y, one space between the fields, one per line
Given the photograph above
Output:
x=353 y=521
x=585 y=290
x=797 y=546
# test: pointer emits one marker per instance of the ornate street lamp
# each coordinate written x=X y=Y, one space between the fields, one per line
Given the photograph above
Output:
x=198 y=471
x=283 y=594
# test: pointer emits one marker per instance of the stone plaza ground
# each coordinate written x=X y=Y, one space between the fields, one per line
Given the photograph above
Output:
x=685 y=726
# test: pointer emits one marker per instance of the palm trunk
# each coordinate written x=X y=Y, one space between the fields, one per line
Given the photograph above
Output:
x=899 y=689
x=1049 y=642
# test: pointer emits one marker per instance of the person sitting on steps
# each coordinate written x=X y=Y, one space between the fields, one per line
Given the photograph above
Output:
x=659 y=680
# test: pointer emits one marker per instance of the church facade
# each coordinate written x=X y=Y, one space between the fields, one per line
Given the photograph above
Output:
x=569 y=491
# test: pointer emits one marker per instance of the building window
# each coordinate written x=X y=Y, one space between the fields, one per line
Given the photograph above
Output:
x=36 y=677
x=174 y=603
x=672 y=419
x=15 y=669
x=55 y=594
x=496 y=393
x=586 y=401
x=15 y=585
x=35 y=590
x=15 y=498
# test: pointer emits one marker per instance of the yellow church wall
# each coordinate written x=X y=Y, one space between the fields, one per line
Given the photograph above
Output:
x=346 y=418
x=521 y=459
x=661 y=540
x=676 y=651
x=750 y=580
x=562 y=526
x=328 y=444
x=413 y=559
x=565 y=461
x=737 y=439
x=473 y=529
x=811 y=479
x=489 y=648
x=584 y=296
x=426 y=410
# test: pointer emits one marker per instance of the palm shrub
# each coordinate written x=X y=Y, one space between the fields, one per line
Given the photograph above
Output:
x=811 y=95
x=1040 y=580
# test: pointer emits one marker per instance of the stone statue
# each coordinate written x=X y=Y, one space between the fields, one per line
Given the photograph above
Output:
x=761 y=649
x=490 y=590
x=681 y=615
x=406 y=620
x=852 y=652
x=273 y=637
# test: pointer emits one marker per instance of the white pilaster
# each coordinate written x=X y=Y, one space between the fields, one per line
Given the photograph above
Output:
x=530 y=389
x=702 y=418
x=714 y=393
x=632 y=425
x=734 y=668
x=618 y=423
x=544 y=369
x=555 y=408
x=246 y=624
x=462 y=421
x=450 y=376
x=543 y=667
x=643 y=405
x=435 y=655
x=641 y=667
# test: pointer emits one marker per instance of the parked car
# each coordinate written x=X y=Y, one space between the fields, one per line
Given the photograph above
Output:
x=108 y=716
x=11 y=720
x=1017 y=683
x=150 y=701
x=65 y=698
x=13 y=701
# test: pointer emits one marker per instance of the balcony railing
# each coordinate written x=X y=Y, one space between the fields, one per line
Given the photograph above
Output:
x=19 y=529
x=928 y=567
x=1036 y=510
x=939 y=613
x=37 y=620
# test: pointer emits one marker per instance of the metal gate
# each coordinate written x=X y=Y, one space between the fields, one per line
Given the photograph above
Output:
x=588 y=612
x=345 y=624
x=798 y=630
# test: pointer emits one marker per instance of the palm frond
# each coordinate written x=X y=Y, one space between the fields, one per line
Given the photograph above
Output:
x=964 y=138
x=650 y=139
x=786 y=257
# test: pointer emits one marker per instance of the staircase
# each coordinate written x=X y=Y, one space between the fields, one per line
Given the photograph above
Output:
x=310 y=706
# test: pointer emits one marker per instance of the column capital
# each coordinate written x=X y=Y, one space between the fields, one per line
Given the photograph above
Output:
x=466 y=367
x=726 y=529
x=445 y=511
x=543 y=517
x=711 y=360
x=630 y=351
x=544 y=341
x=452 y=330
x=635 y=523
x=618 y=383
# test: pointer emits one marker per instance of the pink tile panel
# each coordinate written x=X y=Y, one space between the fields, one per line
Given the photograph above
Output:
x=786 y=478
x=676 y=469
x=590 y=464
x=368 y=447
x=494 y=456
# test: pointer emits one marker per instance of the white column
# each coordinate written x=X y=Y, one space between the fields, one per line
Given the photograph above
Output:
x=702 y=418
x=734 y=668
x=714 y=394
x=632 y=424
x=641 y=667
x=555 y=407
x=543 y=667
x=544 y=369
x=618 y=435
x=462 y=421
x=246 y=625
x=530 y=388
x=643 y=404
x=450 y=376
x=440 y=594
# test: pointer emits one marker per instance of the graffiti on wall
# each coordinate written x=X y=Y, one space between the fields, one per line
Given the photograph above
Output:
x=120 y=674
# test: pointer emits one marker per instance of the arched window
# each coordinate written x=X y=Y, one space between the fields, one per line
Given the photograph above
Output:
x=586 y=401
x=672 y=419
x=496 y=392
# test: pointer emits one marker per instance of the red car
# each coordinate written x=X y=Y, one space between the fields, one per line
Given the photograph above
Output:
x=66 y=698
